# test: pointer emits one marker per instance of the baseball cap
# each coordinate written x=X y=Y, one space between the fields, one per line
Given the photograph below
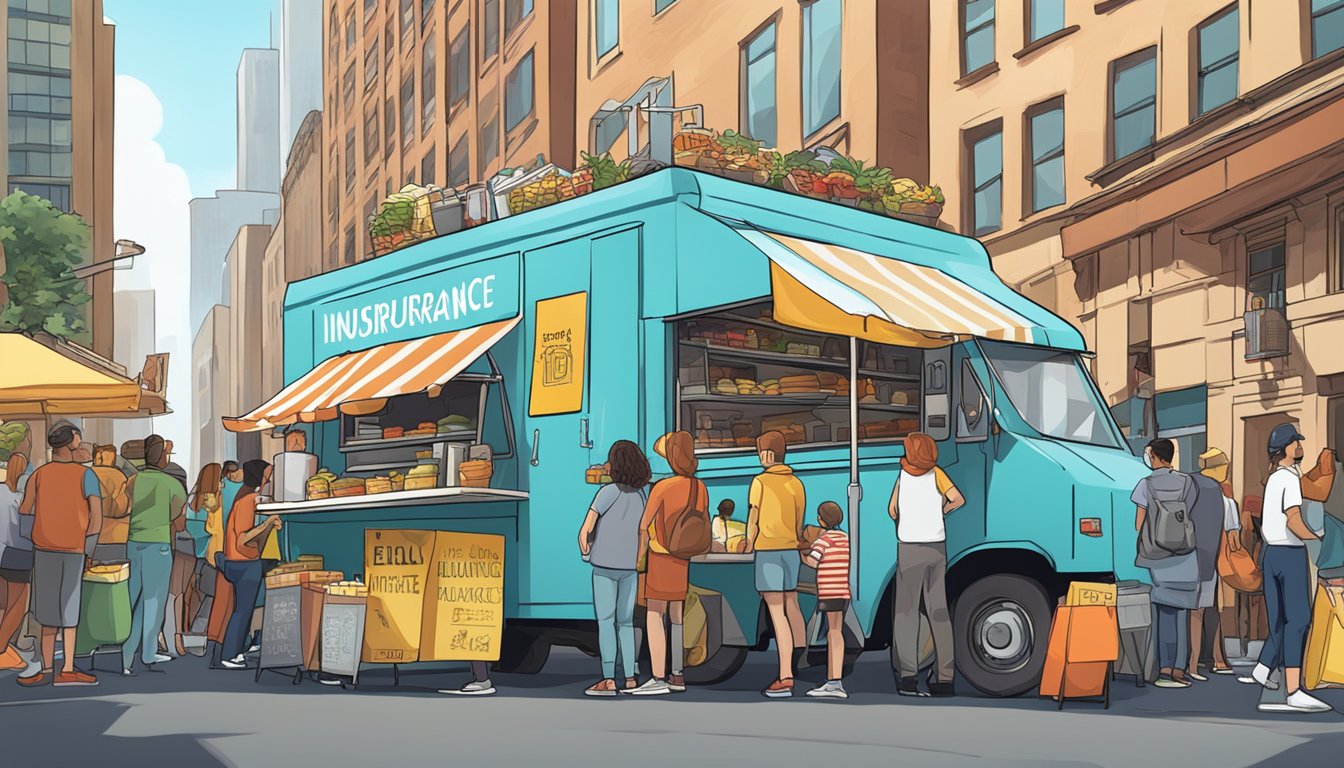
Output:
x=1283 y=436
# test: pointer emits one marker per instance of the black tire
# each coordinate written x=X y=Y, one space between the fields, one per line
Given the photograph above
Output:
x=720 y=666
x=1000 y=631
x=522 y=652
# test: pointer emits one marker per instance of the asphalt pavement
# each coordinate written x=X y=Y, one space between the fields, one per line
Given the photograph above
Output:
x=186 y=714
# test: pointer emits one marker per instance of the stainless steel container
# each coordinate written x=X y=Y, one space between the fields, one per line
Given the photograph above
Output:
x=450 y=457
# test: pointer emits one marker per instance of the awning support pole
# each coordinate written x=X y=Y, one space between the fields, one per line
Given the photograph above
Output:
x=855 y=494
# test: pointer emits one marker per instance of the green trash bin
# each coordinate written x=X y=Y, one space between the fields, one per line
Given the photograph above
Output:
x=104 y=609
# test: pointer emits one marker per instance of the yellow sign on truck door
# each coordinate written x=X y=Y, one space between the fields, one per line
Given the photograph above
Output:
x=464 y=600
x=558 y=355
x=396 y=567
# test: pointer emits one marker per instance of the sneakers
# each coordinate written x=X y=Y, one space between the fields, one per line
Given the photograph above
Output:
x=1224 y=671
x=780 y=689
x=831 y=689
x=652 y=687
x=33 y=681
x=1300 y=702
x=676 y=683
x=910 y=687
x=941 y=690
x=160 y=658
x=1262 y=675
x=74 y=679
x=474 y=688
x=237 y=662
x=1167 y=681
x=11 y=660
x=603 y=688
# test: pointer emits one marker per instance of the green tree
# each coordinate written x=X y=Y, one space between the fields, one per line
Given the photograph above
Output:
x=42 y=244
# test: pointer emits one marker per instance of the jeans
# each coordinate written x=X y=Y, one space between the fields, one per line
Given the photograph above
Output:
x=1173 y=637
x=1288 y=605
x=921 y=572
x=245 y=576
x=151 y=569
x=614 y=604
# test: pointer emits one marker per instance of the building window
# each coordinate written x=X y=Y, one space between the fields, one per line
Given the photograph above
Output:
x=518 y=93
x=371 y=67
x=459 y=68
x=349 y=31
x=427 y=168
x=489 y=141
x=1337 y=240
x=334 y=37
x=1045 y=153
x=370 y=8
x=1265 y=276
x=370 y=130
x=333 y=193
x=607 y=26
x=408 y=111
x=1044 y=18
x=984 y=179
x=428 y=85
x=348 y=86
x=1133 y=103
x=350 y=160
x=758 y=117
x=459 y=163
x=661 y=5
x=821 y=64
x=407 y=21
x=390 y=124
x=1219 y=54
x=1327 y=26
x=977 y=35
x=515 y=11
x=350 y=245
x=489 y=30
x=426 y=12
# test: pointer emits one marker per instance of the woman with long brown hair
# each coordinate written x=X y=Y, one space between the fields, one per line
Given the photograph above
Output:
x=16 y=558
x=667 y=578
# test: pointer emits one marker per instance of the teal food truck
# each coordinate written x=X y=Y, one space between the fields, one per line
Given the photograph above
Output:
x=680 y=300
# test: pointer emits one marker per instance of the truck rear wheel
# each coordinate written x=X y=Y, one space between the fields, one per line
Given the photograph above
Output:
x=721 y=665
x=1000 y=631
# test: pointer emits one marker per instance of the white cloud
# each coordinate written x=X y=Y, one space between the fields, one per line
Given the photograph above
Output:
x=151 y=196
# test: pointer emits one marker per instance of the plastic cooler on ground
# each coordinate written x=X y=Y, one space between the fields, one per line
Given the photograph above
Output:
x=104 y=608
x=1134 y=616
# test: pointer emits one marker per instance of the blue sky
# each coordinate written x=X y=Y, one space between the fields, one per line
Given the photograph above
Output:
x=187 y=52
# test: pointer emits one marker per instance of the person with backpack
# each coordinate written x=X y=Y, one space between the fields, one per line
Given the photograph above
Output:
x=1287 y=589
x=776 y=504
x=609 y=541
x=1164 y=502
x=675 y=527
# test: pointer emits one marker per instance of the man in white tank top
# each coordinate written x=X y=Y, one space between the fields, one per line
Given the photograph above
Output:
x=923 y=495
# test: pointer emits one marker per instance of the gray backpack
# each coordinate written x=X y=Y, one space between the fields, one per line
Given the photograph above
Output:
x=1167 y=530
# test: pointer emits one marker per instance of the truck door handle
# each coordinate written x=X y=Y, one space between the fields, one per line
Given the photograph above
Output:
x=583 y=434
x=536 y=446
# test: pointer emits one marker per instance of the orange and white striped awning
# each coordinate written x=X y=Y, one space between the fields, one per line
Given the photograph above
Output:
x=833 y=289
x=398 y=368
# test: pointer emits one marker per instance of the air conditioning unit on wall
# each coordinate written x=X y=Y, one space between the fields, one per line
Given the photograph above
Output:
x=1267 y=333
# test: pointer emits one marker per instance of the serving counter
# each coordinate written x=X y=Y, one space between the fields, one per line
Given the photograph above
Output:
x=454 y=495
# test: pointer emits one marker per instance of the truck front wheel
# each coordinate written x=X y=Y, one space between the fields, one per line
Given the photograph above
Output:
x=1000 y=630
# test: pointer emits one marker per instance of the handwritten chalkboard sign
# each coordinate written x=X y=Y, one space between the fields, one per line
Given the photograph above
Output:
x=342 y=635
x=281 y=639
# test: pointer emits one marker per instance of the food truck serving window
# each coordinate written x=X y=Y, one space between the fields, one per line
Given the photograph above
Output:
x=739 y=373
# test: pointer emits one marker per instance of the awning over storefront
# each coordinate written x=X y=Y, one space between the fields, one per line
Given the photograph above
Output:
x=398 y=368
x=39 y=381
x=833 y=289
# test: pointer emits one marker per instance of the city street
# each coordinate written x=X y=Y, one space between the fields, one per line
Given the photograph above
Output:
x=188 y=715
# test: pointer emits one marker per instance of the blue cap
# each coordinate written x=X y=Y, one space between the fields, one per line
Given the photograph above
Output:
x=1283 y=436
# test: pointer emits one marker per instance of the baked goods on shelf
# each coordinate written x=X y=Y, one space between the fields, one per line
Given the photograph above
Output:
x=422 y=477
x=348 y=486
x=378 y=484
x=392 y=433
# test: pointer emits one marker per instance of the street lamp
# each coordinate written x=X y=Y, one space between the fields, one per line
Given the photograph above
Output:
x=127 y=250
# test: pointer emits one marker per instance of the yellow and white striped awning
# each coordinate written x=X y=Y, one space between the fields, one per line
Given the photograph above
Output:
x=399 y=368
x=833 y=289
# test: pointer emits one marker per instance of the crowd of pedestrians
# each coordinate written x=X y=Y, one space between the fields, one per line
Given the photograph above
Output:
x=640 y=540
x=93 y=505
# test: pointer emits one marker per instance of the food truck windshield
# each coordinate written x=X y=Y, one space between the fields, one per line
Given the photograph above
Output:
x=1052 y=393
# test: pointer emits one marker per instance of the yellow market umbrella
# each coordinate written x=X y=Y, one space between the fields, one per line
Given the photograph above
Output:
x=36 y=381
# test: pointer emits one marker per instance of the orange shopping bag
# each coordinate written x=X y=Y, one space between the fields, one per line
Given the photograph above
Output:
x=1084 y=641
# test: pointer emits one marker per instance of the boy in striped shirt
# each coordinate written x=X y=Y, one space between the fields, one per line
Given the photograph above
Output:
x=830 y=556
